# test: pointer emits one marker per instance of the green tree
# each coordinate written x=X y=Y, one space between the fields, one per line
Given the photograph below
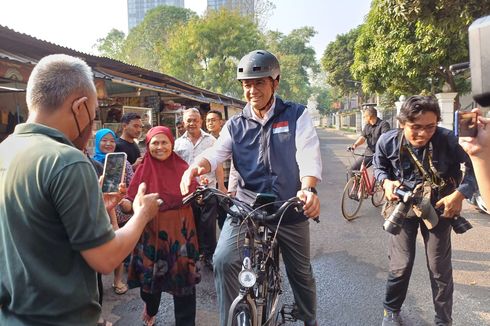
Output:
x=322 y=92
x=206 y=50
x=146 y=41
x=337 y=60
x=406 y=46
x=111 y=46
x=297 y=59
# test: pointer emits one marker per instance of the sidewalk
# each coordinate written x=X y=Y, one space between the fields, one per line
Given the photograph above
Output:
x=343 y=132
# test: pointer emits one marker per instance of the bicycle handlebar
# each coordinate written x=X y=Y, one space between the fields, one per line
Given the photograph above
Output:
x=352 y=151
x=244 y=209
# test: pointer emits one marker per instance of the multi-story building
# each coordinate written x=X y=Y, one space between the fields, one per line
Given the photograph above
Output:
x=245 y=7
x=137 y=9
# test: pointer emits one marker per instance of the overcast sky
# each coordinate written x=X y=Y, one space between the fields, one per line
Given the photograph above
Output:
x=78 y=24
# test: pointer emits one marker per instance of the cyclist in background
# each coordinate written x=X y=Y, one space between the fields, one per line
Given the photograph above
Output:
x=275 y=149
x=370 y=134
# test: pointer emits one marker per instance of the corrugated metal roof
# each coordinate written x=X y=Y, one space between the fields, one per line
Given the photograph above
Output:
x=28 y=49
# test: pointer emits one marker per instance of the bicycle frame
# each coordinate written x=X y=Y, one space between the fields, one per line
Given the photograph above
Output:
x=367 y=180
x=260 y=277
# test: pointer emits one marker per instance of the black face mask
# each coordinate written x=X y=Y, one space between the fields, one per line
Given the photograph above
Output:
x=83 y=135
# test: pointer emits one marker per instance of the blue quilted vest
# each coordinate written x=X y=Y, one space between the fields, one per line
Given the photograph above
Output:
x=265 y=156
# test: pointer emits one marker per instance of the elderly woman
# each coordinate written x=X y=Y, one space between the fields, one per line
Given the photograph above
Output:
x=165 y=257
x=105 y=142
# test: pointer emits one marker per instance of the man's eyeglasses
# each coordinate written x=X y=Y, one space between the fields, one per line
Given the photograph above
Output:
x=419 y=128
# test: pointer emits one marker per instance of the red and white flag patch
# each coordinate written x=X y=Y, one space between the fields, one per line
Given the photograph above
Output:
x=280 y=127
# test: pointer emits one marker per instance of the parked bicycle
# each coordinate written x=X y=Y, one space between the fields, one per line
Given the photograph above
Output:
x=260 y=278
x=359 y=187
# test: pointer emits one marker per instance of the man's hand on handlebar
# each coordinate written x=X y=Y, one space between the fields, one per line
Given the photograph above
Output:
x=312 y=203
x=191 y=173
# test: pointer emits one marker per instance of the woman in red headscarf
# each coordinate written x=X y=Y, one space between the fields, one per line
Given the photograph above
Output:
x=164 y=260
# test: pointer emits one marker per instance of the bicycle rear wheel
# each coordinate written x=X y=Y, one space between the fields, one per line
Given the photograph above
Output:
x=378 y=197
x=352 y=198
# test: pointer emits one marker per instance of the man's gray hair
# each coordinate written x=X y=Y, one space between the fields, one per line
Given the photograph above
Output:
x=55 y=78
x=191 y=110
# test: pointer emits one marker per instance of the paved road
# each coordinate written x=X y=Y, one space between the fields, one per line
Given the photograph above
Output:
x=350 y=265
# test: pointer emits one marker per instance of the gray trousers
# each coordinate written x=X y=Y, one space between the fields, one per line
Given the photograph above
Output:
x=438 y=254
x=294 y=242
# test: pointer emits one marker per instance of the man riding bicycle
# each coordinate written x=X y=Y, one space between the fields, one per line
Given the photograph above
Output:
x=275 y=149
x=372 y=130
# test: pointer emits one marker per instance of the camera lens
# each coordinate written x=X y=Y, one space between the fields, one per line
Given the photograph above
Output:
x=394 y=222
x=460 y=224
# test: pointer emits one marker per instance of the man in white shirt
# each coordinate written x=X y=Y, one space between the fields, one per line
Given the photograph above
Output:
x=192 y=143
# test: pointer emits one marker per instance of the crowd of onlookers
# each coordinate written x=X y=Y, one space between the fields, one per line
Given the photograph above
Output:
x=161 y=168
x=60 y=232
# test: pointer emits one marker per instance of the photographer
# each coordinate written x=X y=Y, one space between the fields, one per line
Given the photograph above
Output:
x=427 y=156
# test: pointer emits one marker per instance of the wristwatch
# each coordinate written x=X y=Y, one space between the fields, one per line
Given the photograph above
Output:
x=311 y=189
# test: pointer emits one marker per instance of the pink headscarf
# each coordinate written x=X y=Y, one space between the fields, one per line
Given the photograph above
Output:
x=162 y=177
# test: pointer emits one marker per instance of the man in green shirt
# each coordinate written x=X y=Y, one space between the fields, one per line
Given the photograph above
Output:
x=54 y=228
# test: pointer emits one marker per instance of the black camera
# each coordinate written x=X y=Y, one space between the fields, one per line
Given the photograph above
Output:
x=393 y=224
x=460 y=224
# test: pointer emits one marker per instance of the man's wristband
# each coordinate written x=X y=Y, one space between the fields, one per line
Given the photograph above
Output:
x=311 y=189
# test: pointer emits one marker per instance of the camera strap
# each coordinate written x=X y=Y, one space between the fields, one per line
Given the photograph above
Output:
x=432 y=178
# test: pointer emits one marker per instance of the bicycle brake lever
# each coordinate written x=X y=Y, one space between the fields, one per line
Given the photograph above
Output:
x=317 y=219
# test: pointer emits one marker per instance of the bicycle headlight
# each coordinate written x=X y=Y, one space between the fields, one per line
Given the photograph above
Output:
x=247 y=278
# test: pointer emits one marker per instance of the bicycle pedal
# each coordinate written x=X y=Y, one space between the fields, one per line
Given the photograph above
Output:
x=289 y=312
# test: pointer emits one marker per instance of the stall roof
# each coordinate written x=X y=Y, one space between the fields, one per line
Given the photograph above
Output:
x=27 y=49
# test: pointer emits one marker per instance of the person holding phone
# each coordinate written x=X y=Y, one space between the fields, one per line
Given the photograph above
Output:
x=164 y=260
x=59 y=234
x=105 y=142
x=478 y=149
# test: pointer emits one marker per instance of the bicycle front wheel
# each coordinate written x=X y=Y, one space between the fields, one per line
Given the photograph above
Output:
x=272 y=289
x=352 y=198
x=242 y=316
x=378 y=197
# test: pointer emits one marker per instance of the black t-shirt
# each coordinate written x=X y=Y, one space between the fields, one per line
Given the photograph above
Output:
x=131 y=149
x=372 y=133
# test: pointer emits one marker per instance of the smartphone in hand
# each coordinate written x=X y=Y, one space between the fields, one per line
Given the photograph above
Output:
x=114 y=168
x=466 y=124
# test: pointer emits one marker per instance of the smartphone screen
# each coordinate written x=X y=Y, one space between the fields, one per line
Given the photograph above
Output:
x=466 y=124
x=114 y=168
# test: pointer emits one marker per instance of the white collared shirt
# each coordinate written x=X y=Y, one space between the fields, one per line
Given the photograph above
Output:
x=188 y=151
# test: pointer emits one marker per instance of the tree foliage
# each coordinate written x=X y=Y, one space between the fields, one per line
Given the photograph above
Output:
x=205 y=51
x=259 y=10
x=297 y=59
x=146 y=41
x=111 y=46
x=337 y=60
x=406 y=46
